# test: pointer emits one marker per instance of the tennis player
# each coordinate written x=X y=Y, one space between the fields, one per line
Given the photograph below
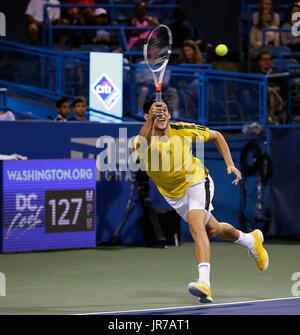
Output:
x=189 y=189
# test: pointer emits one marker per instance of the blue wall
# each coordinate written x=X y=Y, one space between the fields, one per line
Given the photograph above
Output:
x=285 y=181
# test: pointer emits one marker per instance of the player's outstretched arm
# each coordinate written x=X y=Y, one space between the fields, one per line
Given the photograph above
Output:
x=223 y=148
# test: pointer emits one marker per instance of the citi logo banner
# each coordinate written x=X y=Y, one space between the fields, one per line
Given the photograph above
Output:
x=2 y=25
x=106 y=91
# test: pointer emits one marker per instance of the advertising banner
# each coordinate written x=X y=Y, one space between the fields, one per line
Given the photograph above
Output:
x=48 y=204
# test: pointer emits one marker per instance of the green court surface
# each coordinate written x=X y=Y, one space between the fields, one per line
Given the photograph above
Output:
x=124 y=278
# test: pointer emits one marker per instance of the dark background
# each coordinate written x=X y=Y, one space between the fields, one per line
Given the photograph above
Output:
x=218 y=20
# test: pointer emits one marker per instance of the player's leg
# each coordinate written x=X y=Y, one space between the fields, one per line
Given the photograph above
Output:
x=201 y=288
x=191 y=207
x=199 y=207
x=252 y=241
x=196 y=221
x=226 y=231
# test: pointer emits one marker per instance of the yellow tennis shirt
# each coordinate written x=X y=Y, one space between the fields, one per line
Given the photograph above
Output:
x=170 y=163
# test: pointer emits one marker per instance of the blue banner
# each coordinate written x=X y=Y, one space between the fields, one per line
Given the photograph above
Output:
x=48 y=204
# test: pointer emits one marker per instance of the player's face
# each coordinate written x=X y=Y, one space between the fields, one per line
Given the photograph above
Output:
x=161 y=122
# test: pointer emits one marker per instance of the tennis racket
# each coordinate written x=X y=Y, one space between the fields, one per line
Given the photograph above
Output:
x=157 y=52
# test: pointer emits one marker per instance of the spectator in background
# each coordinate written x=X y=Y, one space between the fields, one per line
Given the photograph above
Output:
x=80 y=16
x=181 y=30
x=79 y=107
x=101 y=19
x=63 y=109
x=7 y=115
x=190 y=53
x=287 y=38
x=256 y=34
x=186 y=86
x=85 y=14
x=277 y=88
x=35 y=16
x=266 y=5
x=140 y=20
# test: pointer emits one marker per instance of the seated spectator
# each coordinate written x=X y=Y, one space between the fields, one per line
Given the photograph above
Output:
x=287 y=38
x=85 y=13
x=7 y=115
x=180 y=28
x=79 y=107
x=183 y=30
x=187 y=86
x=277 y=88
x=80 y=16
x=103 y=36
x=266 y=5
x=35 y=16
x=63 y=109
x=256 y=34
x=190 y=53
x=140 y=20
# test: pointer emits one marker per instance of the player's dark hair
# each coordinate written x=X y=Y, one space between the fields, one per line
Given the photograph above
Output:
x=150 y=101
x=61 y=101
x=77 y=100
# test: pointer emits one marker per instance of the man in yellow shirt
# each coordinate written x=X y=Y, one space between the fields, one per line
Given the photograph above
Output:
x=165 y=150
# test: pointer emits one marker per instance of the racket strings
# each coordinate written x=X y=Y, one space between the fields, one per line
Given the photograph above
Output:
x=158 y=49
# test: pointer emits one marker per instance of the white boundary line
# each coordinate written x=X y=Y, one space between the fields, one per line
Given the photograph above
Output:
x=183 y=307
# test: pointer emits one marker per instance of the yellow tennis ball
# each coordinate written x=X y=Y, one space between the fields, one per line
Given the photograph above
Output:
x=221 y=50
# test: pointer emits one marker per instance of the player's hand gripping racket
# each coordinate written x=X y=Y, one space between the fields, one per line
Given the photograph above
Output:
x=157 y=51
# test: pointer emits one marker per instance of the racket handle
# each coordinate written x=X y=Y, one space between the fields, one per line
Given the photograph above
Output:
x=158 y=92
x=158 y=96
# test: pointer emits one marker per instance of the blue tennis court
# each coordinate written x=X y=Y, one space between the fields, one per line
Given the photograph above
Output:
x=285 y=306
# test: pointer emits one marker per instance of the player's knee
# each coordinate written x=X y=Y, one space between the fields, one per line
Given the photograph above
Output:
x=211 y=231
x=196 y=226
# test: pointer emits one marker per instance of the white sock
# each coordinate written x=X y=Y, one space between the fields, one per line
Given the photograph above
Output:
x=204 y=273
x=245 y=239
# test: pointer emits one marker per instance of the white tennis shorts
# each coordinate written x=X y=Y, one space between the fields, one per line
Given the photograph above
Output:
x=197 y=196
